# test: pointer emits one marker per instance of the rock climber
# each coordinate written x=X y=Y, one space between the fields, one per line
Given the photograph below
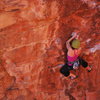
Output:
x=73 y=58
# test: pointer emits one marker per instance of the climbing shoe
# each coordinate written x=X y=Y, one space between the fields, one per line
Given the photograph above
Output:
x=73 y=77
x=89 y=70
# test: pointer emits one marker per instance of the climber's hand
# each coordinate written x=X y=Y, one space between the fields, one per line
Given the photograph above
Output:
x=74 y=34
x=77 y=37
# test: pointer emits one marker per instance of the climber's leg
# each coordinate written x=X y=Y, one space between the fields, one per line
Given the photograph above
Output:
x=85 y=64
x=66 y=72
x=72 y=76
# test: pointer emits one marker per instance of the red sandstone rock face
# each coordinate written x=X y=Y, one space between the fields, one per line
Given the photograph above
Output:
x=32 y=43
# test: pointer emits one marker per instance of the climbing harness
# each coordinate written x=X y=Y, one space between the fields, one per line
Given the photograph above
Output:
x=75 y=64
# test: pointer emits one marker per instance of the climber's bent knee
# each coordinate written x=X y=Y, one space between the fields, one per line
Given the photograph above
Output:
x=64 y=70
x=83 y=63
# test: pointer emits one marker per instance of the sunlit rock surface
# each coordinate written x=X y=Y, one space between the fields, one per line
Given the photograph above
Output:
x=32 y=43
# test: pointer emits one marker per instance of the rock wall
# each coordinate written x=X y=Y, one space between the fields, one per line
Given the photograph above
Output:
x=32 y=45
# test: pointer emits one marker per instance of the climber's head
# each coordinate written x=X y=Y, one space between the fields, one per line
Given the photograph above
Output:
x=75 y=43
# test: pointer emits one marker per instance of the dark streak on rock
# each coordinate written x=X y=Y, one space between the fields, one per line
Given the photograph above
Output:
x=13 y=10
x=67 y=93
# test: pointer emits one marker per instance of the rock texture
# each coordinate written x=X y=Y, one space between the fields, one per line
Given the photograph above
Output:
x=32 y=43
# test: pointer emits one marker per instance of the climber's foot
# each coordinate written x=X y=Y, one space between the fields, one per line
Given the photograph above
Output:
x=89 y=68
x=73 y=77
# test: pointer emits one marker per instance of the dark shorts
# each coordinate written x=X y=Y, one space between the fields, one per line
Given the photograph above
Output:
x=65 y=70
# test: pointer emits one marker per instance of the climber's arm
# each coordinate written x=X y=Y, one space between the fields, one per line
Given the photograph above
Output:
x=68 y=45
x=68 y=42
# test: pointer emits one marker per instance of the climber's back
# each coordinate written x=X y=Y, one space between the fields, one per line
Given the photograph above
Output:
x=73 y=47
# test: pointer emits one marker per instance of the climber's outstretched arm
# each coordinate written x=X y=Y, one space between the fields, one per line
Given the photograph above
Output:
x=68 y=42
x=68 y=45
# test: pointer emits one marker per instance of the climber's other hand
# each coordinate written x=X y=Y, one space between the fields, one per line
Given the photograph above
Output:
x=74 y=34
x=77 y=37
